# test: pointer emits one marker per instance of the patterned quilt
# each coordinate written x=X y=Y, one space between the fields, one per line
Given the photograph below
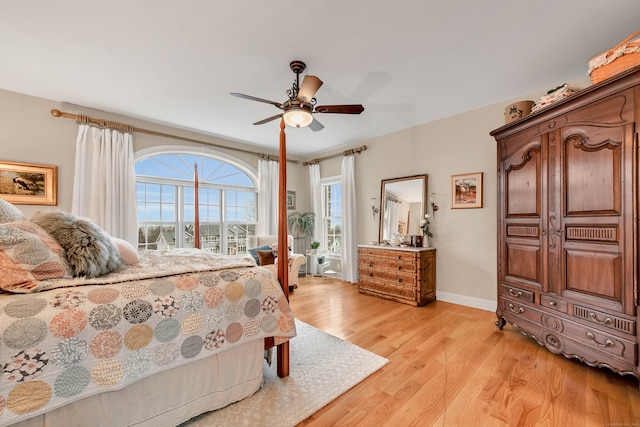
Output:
x=76 y=338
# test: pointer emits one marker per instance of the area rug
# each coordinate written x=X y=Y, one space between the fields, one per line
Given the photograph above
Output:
x=322 y=368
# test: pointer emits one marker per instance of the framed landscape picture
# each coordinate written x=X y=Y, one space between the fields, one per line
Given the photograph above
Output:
x=466 y=191
x=28 y=184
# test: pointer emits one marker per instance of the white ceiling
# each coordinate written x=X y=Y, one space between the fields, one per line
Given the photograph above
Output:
x=408 y=62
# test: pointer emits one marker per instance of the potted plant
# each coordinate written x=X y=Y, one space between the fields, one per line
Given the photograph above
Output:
x=315 y=245
x=301 y=226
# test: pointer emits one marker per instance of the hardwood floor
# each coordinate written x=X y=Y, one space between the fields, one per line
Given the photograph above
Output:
x=449 y=366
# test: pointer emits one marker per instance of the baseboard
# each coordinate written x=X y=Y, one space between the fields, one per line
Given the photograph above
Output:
x=482 y=304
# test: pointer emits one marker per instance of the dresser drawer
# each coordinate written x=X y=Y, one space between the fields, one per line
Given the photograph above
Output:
x=398 y=277
x=387 y=289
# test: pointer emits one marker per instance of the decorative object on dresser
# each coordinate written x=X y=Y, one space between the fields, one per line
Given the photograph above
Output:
x=567 y=225
x=406 y=275
x=29 y=184
x=466 y=191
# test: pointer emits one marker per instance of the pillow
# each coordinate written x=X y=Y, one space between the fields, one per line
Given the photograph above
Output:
x=128 y=254
x=89 y=250
x=28 y=254
x=266 y=257
x=9 y=213
x=254 y=252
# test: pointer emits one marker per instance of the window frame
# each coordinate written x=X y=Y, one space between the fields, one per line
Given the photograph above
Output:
x=180 y=184
x=325 y=182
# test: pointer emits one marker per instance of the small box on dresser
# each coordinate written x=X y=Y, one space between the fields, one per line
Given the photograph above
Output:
x=406 y=275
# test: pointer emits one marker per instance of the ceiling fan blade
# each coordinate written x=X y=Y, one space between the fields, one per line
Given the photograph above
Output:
x=309 y=87
x=316 y=125
x=340 y=109
x=268 y=119
x=253 y=98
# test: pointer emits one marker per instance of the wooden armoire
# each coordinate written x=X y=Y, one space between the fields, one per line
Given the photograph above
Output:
x=568 y=196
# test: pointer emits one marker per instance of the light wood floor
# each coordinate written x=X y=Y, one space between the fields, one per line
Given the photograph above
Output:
x=449 y=366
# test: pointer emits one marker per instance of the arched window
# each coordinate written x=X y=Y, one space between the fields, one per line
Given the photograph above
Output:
x=227 y=197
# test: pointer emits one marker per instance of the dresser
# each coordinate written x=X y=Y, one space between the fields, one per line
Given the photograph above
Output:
x=406 y=275
x=568 y=235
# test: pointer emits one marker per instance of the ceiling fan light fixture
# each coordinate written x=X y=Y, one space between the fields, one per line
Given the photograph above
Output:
x=298 y=117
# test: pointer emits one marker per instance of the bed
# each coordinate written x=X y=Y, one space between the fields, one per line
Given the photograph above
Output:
x=153 y=342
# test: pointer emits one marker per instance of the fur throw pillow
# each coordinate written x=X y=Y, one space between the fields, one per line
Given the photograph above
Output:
x=89 y=250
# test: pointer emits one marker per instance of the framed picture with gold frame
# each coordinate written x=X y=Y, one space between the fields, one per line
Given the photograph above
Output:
x=466 y=191
x=28 y=183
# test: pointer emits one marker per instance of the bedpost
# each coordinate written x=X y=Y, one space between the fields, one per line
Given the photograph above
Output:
x=196 y=219
x=283 y=252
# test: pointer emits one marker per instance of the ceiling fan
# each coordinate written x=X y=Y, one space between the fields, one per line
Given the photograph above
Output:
x=298 y=109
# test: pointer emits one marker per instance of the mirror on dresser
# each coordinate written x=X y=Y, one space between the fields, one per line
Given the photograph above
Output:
x=403 y=202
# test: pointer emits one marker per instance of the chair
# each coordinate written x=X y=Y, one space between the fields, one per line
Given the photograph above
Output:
x=295 y=260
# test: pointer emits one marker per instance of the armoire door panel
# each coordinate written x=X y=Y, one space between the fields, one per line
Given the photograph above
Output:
x=595 y=274
x=592 y=168
x=523 y=262
x=522 y=185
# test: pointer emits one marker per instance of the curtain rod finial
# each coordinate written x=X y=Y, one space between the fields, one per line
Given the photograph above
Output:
x=56 y=113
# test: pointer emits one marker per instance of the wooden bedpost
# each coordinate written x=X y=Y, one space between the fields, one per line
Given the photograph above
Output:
x=196 y=218
x=283 y=252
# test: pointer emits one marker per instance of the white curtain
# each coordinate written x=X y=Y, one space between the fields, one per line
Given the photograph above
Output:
x=104 y=184
x=268 y=197
x=349 y=222
x=316 y=199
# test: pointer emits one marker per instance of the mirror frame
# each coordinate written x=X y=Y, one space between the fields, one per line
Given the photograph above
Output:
x=384 y=182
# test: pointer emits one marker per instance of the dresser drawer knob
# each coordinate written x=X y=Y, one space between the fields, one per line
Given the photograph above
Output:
x=399 y=280
x=606 y=321
x=552 y=303
x=370 y=264
x=513 y=309
x=607 y=343
x=515 y=294
x=399 y=267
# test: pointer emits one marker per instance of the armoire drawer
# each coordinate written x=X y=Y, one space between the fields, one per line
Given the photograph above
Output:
x=605 y=320
x=590 y=337
x=557 y=304
x=514 y=292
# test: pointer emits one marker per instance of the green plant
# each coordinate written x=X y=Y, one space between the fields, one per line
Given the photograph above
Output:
x=301 y=224
x=315 y=245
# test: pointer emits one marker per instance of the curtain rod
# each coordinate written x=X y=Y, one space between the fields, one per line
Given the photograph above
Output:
x=129 y=128
x=344 y=153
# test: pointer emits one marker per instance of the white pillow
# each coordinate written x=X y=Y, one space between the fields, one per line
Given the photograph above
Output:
x=9 y=213
x=128 y=253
